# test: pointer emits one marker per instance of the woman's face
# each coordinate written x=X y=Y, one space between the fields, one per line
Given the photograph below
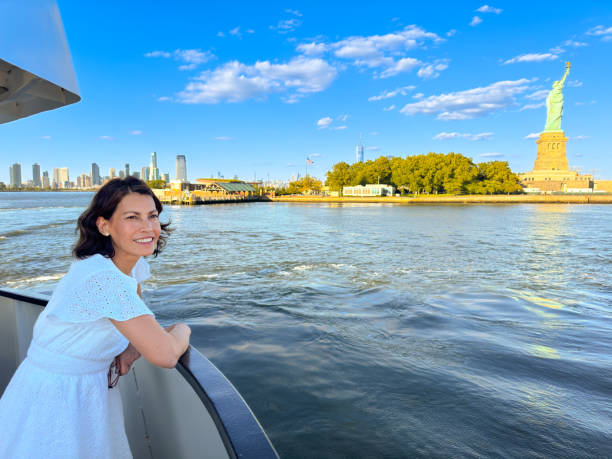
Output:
x=133 y=228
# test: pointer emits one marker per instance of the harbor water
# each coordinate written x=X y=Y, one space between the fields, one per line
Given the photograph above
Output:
x=379 y=331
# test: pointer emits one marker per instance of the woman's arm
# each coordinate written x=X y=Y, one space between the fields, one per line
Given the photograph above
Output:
x=158 y=346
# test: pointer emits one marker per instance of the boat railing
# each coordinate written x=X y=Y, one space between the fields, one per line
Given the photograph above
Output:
x=186 y=412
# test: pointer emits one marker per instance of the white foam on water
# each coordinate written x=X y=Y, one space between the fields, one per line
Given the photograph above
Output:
x=33 y=280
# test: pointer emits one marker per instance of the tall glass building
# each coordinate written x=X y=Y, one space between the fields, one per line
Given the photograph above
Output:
x=181 y=168
x=359 y=153
x=15 y=175
x=36 y=175
x=153 y=170
x=95 y=175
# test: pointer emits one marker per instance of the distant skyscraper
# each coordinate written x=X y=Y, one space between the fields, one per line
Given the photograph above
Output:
x=127 y=170
x=136 y=174
x=61 y=177
x=95 y=175
x=45 y=180
x=36 y=175
x=121 y=174
x=153 y=170
x=111 y=173
x=15 y=175
x=165 y=177
x=359 y=152
x=144 y=174
x=181 y=168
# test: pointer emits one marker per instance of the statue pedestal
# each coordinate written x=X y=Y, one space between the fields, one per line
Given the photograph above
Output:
x=551 y=152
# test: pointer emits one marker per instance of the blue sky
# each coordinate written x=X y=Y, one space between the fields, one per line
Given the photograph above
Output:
x=253 y=88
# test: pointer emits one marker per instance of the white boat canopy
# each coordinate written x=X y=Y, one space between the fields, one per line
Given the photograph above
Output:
x=36 y=72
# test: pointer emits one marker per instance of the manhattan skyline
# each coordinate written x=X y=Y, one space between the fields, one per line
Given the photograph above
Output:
x=256 y=89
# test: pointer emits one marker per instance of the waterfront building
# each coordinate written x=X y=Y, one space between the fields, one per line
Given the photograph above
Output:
x=45 y=180
x=166 y=178
x=121 y=174
x=95 y=175
x=61 y=177
x=136 y=174
x=359 y=152
x=15 y=175
x=111 y=173
x=181 y=167
x=371 y=189
x=153 y=170
x=36 y=175
x=127 y=170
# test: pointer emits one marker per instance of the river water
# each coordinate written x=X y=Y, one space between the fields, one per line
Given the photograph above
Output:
x=372 y=330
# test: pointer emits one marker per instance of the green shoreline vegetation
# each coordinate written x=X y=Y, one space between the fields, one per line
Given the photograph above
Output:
x=432 y=173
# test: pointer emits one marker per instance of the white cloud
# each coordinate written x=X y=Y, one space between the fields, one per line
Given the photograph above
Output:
x=389 y=108
x=458 y=135
x=533 y=135
x=191 y=58
x=373 y=148
x=374 y=133
x=315 y=155
x=532 y=106
x=312 y=49
x=164 y=99
x=106 y=137
x=136 y=132
x=165 y=54
x=470 y=103
x=574 y=43
x=404 y=64
x=432 y=70
x=235 y=81
x=451 y=32
x=600 y=31
x=344 y=117
x=574 y=84
x=580 y=137
x=489 y=9
x=491 y=155
x=418 y=95
x=540 y=94
x=532 y=57
x=385 y=52
x=294 y=12
x=339 y=128
x=475 y=21
x=287 y=25
x=235 y=32
x=220 y=34
x=324 y=123
x=223 y=138
x=46 y=137
x=388 y=94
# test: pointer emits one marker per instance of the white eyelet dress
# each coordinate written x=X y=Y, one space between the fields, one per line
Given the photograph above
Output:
x=58 y=404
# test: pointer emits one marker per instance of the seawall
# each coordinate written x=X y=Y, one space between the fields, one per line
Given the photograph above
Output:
x=467 y=199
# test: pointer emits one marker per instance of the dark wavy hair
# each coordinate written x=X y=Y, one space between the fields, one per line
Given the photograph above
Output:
x=104 y=204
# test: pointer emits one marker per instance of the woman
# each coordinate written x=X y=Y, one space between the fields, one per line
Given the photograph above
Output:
x=62 y=401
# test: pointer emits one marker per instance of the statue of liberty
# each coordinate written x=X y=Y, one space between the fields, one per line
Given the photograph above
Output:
x=554 y=103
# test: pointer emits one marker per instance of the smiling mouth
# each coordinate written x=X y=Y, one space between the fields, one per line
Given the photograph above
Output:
x=146 y=240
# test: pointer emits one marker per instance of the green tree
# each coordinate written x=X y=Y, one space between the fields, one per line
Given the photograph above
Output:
x=305 y=185
x=156 y=183
x=339 y=176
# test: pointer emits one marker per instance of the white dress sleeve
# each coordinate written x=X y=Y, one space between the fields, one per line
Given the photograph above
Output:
x=141 y=271
x=104 y=294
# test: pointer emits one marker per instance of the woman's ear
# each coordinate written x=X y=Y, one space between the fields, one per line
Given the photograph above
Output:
x=102 y=225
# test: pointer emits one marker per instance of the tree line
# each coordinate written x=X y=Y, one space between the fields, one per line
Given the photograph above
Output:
x=432 y=173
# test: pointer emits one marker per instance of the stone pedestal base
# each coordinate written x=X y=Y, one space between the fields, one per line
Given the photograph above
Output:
x=551 y=152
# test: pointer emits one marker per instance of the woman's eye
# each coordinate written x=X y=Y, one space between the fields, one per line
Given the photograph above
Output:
x=132 y=217
x=154 y=217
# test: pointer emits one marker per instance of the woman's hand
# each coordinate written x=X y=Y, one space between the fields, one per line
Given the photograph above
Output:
x=126 y=359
